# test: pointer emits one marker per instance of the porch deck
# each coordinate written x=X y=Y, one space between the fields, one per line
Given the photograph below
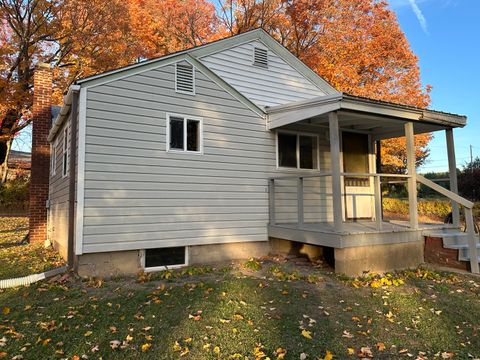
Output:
x=354 y=233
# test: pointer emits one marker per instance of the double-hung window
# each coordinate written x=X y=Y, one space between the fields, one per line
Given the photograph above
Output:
x=65 y=152
x=53 y=158
x=297 y=151
x=184 y=133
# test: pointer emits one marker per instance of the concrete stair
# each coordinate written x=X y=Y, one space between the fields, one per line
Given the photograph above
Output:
x=457 y=240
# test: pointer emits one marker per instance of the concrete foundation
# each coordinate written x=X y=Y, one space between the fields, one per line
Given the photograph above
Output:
x=354 y=261
x=104 y=265
x=205 y=254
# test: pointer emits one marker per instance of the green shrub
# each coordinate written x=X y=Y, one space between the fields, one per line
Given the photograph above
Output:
x=14 y=196
x=427 y=207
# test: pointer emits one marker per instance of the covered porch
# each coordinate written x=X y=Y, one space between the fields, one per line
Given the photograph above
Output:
x=348 y=188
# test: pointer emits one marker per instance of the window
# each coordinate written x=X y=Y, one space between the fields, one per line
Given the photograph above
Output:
x=260 y=57
x=53 y=158
x=184 y=133
x=164 y=258
x=65 y=152
x=297 y=151
x=185 y=78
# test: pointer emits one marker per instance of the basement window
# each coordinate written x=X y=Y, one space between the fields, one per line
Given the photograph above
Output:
x=164 y=258
x=184 y=133
x=297 y=151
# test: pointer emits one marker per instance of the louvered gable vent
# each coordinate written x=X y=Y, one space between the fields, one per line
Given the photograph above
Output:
x=185 y=78
x=260 y=57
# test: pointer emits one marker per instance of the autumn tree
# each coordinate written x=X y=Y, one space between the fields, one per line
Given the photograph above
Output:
x=77 y=38
x=164 y=26
x=357 y=46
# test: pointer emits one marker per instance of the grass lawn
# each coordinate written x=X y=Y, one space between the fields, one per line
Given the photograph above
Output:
x=282 y=310
x=21 y=260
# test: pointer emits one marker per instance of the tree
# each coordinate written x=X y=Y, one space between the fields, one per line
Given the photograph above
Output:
x=357 y=46
x=164 y=26
x=469 y=180
x=77 y=37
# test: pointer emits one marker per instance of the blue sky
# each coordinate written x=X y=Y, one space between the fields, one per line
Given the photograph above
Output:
x=445 y=36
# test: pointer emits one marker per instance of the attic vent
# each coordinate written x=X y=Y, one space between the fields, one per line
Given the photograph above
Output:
x=184 y=78
x=260 y=57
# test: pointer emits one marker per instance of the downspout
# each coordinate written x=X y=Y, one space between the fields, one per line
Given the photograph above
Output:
x=72 y=180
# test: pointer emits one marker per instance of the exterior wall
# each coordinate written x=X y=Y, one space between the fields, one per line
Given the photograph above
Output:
x=58 y=197
x=129 y=262
x=279 y=84
x=138 y=196
x=42 y=100
x=354 y=261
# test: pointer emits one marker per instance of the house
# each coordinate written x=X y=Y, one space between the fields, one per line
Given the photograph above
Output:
x=229 y=150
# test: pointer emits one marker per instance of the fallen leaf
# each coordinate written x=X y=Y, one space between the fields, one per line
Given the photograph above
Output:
x=88 y=333
x=328 y=356
x=6 y=310
x=303 y=356
x=380 y=346
x=145 y=347
x=307 y=334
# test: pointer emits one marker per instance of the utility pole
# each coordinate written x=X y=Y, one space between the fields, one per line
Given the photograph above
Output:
x=471 y=158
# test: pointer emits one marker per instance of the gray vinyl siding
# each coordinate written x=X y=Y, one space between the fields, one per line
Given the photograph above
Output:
x=278 y=84
x=139 y=196
x=58 y=196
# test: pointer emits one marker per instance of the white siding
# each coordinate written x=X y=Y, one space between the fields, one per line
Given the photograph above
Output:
x=58 y=197
x=139 y=196
x=278 y=84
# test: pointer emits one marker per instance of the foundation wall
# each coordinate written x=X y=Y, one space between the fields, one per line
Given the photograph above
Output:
x=116 y=263
x=378 y=258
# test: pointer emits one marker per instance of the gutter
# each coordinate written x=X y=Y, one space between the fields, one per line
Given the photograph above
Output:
x=67 y=103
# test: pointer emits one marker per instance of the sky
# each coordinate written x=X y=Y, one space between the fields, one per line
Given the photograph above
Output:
x=445 y=35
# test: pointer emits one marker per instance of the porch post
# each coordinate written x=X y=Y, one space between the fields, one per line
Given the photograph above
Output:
x=412 y=180
x=336 y=170
x=452 y=169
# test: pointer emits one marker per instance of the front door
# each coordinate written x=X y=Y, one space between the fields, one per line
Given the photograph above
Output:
x=358 y=191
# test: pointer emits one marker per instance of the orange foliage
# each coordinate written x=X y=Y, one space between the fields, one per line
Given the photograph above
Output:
x=357 y=46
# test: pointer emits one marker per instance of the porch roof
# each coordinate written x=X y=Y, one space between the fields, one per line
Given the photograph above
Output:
x=383 y=119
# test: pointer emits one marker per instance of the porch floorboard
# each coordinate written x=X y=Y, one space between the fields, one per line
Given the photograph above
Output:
x=355 y=233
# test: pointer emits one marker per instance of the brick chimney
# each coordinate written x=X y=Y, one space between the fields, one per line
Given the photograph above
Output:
x=41 y=114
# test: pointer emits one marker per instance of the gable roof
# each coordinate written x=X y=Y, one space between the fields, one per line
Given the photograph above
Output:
x=215 y=46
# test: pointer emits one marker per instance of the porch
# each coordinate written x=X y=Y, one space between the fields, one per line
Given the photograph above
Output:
x=348 y=192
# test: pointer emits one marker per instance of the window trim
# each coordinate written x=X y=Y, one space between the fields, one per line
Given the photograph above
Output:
x=65 y=152
x=163 y=267
x=298 y=134
x=53 y=157
x=185 y=118
x=193 y=81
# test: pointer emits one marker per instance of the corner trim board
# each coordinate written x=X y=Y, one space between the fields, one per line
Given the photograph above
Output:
x=82 y=125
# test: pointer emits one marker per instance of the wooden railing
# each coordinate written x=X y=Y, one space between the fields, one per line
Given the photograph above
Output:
x=469 y=222
x=467 y=205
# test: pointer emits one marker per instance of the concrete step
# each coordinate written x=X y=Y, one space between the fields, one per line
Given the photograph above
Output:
x=464 y=254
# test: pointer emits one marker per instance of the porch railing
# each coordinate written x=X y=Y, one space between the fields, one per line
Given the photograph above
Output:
x=455 y=198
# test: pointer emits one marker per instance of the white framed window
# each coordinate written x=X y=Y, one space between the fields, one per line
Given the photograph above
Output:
x=53 y=157
x=184 y=133
x=185 y=78
x=160 y=259
x=65 y=152
x=297 y=151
